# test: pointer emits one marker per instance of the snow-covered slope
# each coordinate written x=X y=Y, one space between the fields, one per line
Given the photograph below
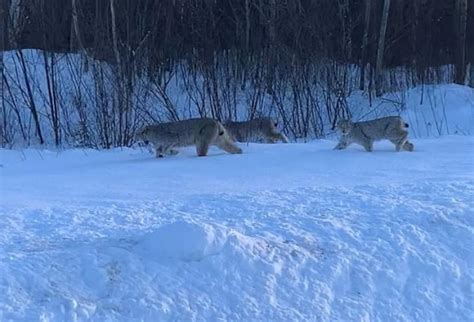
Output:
x=430 y=110
x=281 y=233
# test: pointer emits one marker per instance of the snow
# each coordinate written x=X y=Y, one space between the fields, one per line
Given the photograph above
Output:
x=430 y=110
x=182 y=240
x=280 y=232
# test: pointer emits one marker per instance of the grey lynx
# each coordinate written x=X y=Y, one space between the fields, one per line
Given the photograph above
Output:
x=261 y=129
x=365 y=133
x=201 y=132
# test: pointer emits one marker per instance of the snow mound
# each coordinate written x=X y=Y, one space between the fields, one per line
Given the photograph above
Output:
x=439 y=110
x=193 y=242
x=182 y=240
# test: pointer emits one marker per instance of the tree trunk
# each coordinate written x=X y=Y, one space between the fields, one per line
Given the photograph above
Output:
x=414 y=44
x=121 y=81
x=470 y=75
x=365 y=41
x=381 y=48
x=14 y=22
x=346 y=25
x=4 y=6
x=3 y=45
x=114 y=33
x=29 y=91
x=75 y=21
x=272 y=22
x=247 y=24
x=3 y=37
x=49 y=66
x=460 y=27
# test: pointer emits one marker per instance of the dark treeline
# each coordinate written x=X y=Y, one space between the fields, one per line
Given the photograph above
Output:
x=419 y=33
x=297 y=60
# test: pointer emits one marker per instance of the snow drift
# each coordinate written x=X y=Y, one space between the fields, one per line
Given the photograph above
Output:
x=281 y=232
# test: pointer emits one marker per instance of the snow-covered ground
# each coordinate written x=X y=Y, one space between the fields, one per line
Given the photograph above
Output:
x=280 y=233
x=431 y=110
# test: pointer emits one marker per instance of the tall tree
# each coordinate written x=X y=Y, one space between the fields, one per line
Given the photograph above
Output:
x=3 y=33
x=460 y=29
x=365 y=41
x=381 y=48
x=3 y=45
x=31 y=99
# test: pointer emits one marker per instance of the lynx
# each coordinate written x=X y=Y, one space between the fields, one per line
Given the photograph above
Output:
x=201 y=132
x=261 y=129
x=365 y=133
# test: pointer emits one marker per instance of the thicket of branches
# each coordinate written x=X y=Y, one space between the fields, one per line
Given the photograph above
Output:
x=296 y=60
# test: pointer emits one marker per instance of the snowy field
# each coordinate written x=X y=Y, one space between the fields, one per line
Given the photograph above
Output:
x=280 y=233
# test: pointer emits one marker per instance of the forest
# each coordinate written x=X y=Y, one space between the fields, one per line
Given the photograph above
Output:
x=237 y=160
x=91 y=73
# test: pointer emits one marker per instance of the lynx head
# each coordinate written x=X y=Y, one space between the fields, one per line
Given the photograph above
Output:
x=142 y=135
x=345 y=126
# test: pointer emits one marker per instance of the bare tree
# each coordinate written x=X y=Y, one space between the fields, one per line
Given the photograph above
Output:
x=75 y=21
x=31 y=99
x=365 y=41
x=381 y=48
x=3 y=41
x=4 y=5
x=153 y=61
x=470 y=75
x=460 y=18
x=53 y=99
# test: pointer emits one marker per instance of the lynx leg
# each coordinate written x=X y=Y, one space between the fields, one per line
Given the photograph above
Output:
x=173 y=151
x=202 y=147
x=400 y=141
x=271 y=139
x=159 y=152
x=284 y=138
x=395 y=142
x=398 y=144
x=408 y=146
x=204 y=139
x=276 y=136
x=170 y=150
x=368 y=145
x=343 y=143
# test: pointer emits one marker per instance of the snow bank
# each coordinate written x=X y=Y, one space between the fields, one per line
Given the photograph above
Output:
x=281 y=232
x=182 y=240
x=440 y=110
x=430 y=110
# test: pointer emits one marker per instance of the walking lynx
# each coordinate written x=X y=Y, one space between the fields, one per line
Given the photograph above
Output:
x=365 y=133
x=261 y=129
x=201 y=132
